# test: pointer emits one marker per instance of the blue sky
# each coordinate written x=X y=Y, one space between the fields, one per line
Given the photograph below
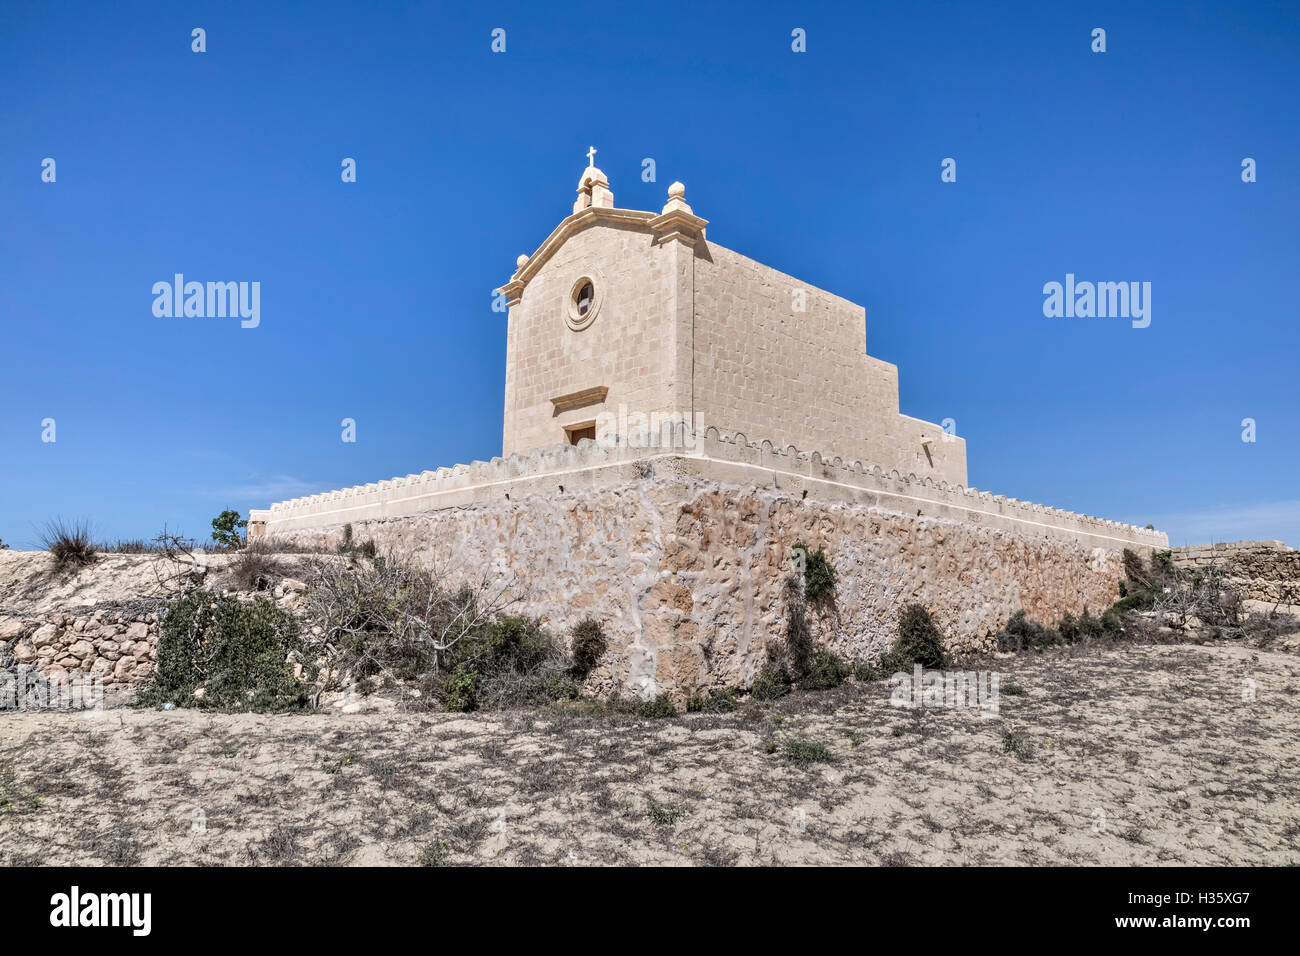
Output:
x=376 y=295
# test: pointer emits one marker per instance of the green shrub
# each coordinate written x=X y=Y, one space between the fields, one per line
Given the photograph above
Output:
x=505 y=662
x=919 y=642
x=719 y=703
x=69 y=543
x=589 y=646
x=1143 y=583
x=1023 y=634
x=388 y=618
x=1016 y=743
x=1135 y=570
x=827 y=671
x=770 y=684
x=818 y=575
x=1072 y=630
x=560 y=687
x=1012 y=689
x=1134 y=597
x=225 y=529
x=663 y=814
x=807 y=751
x=236 y=651
x=655 y=708
x=865 y=672
x=508 y=643
x=459 y=691
x=1090 y=628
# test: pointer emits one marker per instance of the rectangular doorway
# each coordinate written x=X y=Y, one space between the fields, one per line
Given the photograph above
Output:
x=577 y=433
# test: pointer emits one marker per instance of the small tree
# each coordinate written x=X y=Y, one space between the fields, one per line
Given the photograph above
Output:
x=225 y=529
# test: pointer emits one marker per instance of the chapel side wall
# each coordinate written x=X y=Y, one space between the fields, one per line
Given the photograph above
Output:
x=623 y=349
x=802 y=378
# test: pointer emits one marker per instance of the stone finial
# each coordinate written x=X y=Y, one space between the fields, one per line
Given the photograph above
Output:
x=521 y=262
x=678 y=222
x=677 y=199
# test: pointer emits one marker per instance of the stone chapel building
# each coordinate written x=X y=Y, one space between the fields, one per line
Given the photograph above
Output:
x=683 y=548
x=625 y=315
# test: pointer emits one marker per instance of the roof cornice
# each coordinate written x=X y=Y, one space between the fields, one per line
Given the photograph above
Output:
x=529 y=267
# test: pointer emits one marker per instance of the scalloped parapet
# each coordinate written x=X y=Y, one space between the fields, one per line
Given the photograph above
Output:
x=710 y=454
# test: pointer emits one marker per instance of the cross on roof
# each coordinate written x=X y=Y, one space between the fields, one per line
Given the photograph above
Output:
x=591 y=155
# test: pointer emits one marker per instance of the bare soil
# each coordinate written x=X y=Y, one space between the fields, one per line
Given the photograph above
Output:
x=1122 y=755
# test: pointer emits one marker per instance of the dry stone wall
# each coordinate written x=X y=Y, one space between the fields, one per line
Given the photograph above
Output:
x=1266 y=571
x=94 y=625
x=112 y=646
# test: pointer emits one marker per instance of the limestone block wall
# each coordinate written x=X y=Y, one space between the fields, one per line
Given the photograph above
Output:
x=764 y=368
x=694 y=329
x=683 y=555
x=1267 y=571
x=627 y=347
x=686 y=574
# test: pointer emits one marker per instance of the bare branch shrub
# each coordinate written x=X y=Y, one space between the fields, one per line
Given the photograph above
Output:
x=1201 y=595
x=389 y=619
x=183 y=567
x=387 y=615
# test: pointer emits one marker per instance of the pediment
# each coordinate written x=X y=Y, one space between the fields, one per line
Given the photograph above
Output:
x=579 y=220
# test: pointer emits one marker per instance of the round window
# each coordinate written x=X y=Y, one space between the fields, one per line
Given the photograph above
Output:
x=584 y=303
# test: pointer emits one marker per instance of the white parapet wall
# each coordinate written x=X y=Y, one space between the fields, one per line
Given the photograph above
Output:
x=707 y=455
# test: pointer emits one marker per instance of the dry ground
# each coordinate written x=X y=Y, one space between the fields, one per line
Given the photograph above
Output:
x=1130 y=755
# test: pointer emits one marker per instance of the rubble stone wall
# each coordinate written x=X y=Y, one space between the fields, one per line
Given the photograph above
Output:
x=113 y=645
x=1267 y=571
x=687 y=574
